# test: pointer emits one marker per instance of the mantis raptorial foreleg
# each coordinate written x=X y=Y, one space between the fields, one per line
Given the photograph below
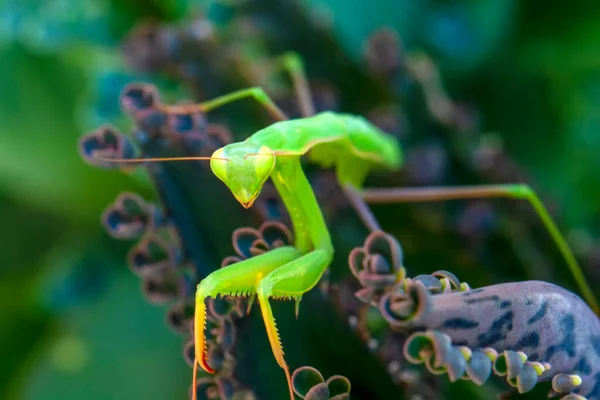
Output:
x=289 y=281
x=512 y=191
x=241 y=278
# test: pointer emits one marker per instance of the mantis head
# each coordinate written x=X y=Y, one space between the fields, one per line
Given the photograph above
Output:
x=243 y=167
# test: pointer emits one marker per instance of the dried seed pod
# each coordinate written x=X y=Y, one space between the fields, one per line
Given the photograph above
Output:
x=106 y=142
x=137 y=97
x=152 y=255
x=249 y=242
x=404 y=307
x=479 y=368
x=206 y=389
x=180 y=315
x=186 y=123
x=160 y=288
x=378 y=263
x=309 y=384
x=129 y=217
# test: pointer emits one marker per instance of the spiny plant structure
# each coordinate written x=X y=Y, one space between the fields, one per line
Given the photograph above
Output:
x=353 y=146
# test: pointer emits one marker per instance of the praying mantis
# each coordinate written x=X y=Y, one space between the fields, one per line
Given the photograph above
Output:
x=351 y=145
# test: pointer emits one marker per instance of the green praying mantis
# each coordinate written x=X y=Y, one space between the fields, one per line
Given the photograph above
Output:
x=351 y=145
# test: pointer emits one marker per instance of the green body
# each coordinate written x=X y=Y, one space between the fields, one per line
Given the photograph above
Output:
x=348 y=143
x=351 y=145
x=334 y=140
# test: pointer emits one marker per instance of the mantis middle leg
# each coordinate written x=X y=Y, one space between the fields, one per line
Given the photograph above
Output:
x=256 y=93
x=289 y=61
x=512 y=191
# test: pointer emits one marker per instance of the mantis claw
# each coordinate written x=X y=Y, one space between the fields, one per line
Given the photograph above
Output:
x=250 y=303
x=297 y=306
x=201 y=345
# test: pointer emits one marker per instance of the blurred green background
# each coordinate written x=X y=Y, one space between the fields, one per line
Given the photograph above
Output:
x=73 y=323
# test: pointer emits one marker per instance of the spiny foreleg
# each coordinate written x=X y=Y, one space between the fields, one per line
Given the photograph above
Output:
x=239 y=279
x=291 y=280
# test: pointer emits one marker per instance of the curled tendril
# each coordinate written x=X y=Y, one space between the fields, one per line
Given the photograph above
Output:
x=442 y=282
x=160 y=290
x=169 y=284
x=563 y=383
x=309 y=384
x=206 y=389
x=378 y=264
x=129 y=217
x=434 y=349
x=405 y=305
x=137 y=97
x=249 y=242
x=179 y=315
x=221 y=308
x=152 y=255
x=106 y=142
x=217 y=388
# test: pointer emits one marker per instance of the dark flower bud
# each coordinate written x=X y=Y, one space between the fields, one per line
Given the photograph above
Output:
x=403 y=307
x=153 y=255
x=249 y=242
x=378 y=263
x=206 y=389
x=160 y=288
x=137 y=97
x=183 y=123
x=308 y=384
x=129 y=217
x=180 y=315
x=108 y=143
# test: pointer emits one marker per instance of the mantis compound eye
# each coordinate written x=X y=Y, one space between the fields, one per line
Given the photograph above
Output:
x=218 y=165
x=264 y=163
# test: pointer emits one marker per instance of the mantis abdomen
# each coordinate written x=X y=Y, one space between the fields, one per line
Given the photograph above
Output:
x=347 y=142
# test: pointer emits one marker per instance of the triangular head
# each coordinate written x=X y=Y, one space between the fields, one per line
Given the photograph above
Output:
x=243 y=167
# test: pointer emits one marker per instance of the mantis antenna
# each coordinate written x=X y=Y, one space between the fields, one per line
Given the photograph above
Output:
x=159 y=159
x=194 y=388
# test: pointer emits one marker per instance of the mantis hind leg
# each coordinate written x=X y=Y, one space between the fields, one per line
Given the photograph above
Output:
x=289 y=281
x=362 y=209
x=238 y=279
x=513 y=191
